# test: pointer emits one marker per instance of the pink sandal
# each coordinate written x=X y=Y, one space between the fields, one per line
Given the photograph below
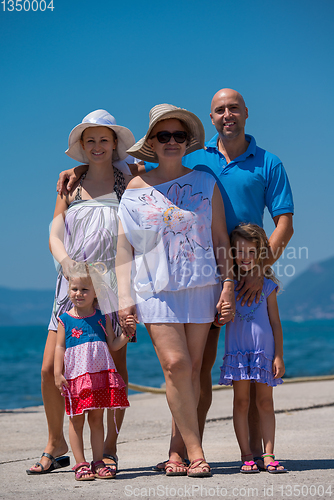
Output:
x=101 y=470
x=83 y=472
x=250 y=464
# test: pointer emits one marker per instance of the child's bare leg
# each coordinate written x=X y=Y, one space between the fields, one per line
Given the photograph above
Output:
x=241 y=390
x=110 y=443
x=76 y=440
x=95 y=421
x=255 y=437
x=265 y=405
x=75 y=432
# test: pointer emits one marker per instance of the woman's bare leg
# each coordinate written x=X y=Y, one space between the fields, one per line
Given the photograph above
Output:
x=180 y=351
x=205 y=399
x=53 y=405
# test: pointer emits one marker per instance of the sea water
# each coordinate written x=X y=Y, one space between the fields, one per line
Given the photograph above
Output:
x=308 y=351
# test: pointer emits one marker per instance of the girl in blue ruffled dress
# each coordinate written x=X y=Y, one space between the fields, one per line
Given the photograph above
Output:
x=253 y=347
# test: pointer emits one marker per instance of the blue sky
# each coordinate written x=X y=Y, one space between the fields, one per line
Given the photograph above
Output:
x=57 y=66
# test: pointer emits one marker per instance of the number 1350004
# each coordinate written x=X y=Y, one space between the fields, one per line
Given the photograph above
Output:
x=26 y=5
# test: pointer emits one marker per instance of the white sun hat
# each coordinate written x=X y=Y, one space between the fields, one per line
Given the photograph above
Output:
x=99 y=118
x=143 y=151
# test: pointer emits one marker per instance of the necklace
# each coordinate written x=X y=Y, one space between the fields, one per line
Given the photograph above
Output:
x=250 y=316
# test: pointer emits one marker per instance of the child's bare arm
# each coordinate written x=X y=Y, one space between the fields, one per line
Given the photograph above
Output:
x=273 y=313
x=60 y=380
x=116 y=343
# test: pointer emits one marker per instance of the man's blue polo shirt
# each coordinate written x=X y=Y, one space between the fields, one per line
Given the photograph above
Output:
x=248 y=183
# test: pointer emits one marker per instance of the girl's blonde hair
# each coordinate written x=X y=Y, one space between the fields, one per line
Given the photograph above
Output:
x=92 y=272
x=255 y=234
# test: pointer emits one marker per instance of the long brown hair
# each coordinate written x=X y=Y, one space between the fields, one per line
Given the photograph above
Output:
x=255 y=234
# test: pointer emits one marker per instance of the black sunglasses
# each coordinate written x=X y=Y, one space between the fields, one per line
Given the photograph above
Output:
x=164 y=136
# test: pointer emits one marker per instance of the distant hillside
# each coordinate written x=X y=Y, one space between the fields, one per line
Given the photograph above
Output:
x=25 y=307
x=310 y=295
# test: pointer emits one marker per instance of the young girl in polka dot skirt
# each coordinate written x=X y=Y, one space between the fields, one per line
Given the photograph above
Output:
x=85 y=372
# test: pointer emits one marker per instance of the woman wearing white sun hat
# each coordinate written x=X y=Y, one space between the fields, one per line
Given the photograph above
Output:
x=172 y=221
x=84 y=228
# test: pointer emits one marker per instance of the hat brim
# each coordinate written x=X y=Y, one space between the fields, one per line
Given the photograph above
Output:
x=125 y=139
x=143 y=151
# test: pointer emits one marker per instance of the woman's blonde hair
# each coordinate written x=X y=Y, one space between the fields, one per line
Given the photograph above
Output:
x=255 y=234
x=93 y=273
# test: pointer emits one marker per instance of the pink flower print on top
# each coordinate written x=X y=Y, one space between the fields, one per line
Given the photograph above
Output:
x=76 y=333
x=181 y=217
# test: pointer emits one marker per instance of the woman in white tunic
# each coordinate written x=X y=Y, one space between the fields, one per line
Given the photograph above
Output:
x=173 y=235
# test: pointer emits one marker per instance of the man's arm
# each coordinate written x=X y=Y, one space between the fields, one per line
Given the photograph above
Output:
x=280 y=237
x=69 y=179
x=250 y=286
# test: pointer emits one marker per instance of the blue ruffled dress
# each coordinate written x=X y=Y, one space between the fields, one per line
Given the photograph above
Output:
x=249 y=343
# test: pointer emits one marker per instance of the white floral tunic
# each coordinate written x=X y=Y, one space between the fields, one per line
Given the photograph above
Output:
x=169 y=227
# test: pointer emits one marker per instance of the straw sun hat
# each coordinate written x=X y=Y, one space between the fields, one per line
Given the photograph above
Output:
x=160 y=112
x=99 y=118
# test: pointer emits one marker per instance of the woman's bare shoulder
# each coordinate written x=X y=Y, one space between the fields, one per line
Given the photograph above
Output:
x=137 y=182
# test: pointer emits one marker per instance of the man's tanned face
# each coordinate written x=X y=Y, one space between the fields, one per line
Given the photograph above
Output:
x=228 y=113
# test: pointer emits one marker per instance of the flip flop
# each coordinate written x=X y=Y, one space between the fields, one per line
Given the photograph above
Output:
x=171 y=466
x=114 y=459
x=249 y=471
x=199 y=463
x=275 y=470
x=56 y=463
x=160 y=467
x=274 y=464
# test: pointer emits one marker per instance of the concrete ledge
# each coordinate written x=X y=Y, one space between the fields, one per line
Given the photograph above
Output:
x=304 y=443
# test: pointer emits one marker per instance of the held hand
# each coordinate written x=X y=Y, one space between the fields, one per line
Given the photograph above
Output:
x=250 y=288
x=131 y=322
x=60 y=382
x=278 y=367
x=225 y=313
x=127 y=309
x=67 y=265
x=226 y=303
